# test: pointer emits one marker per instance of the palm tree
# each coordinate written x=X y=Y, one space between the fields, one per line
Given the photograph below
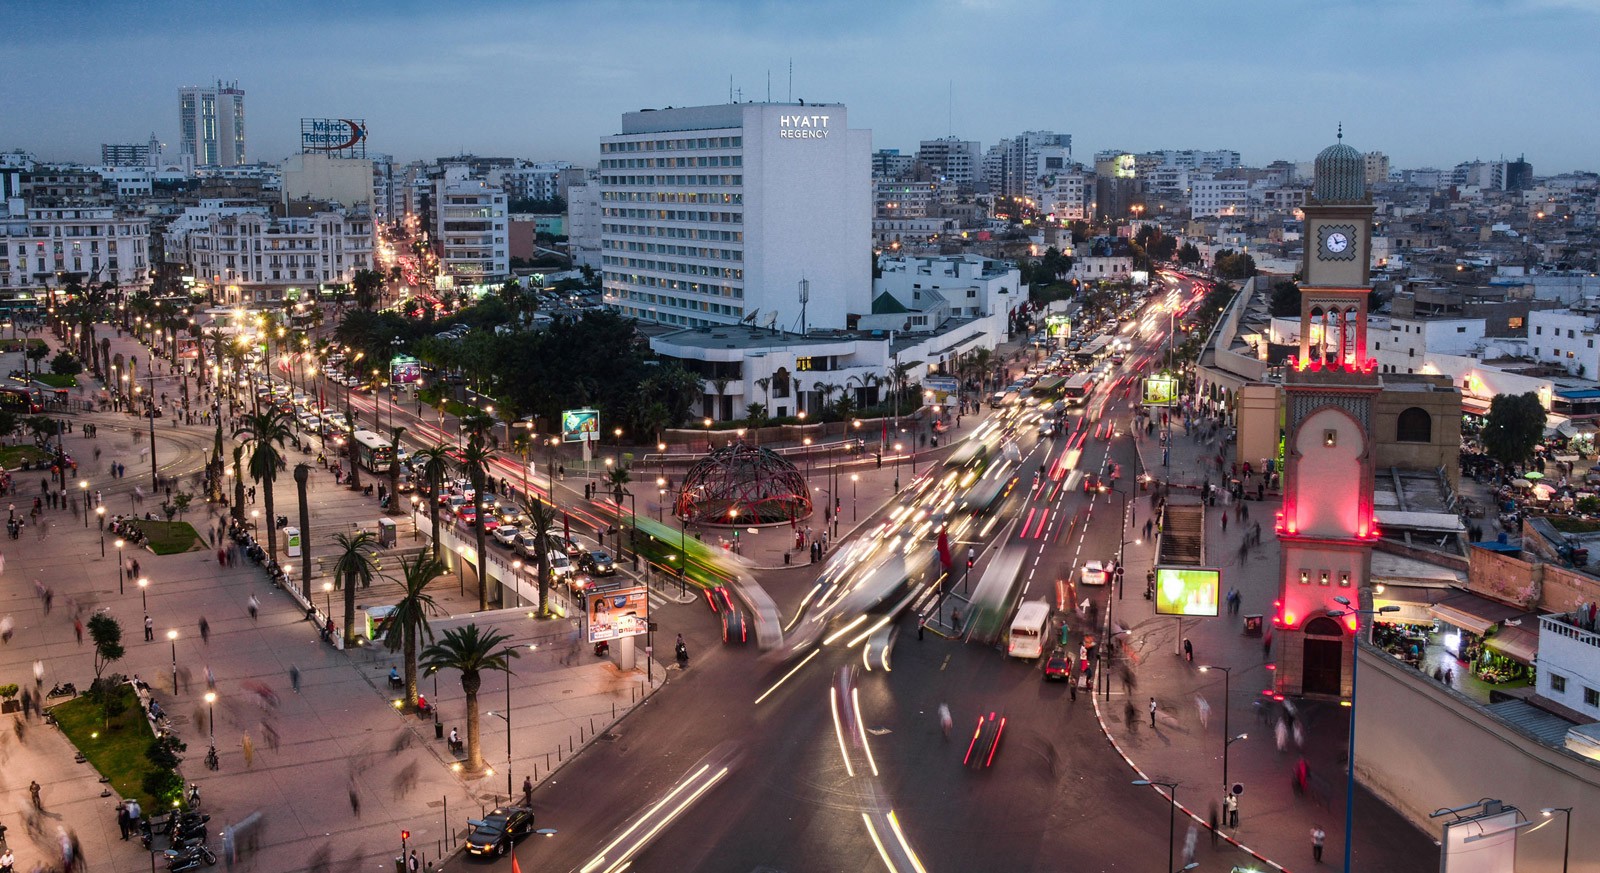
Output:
x=474 y=462
x=472 y=652
x=435 y=464
x=238 y=482
x=394 y=468
x=541 y=521
x=367 y=285
x=266 y=432
x=354 y=565
x=721 y=384
x=765 y=383
x=409 y=621
x=302 y=478
x=619 y=479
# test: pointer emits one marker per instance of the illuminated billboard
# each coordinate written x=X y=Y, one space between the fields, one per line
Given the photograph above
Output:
x=1058 y=326
x=939 y=389
x=580 y=425
x=1187 y=590
x=621 y=612
x=404 y=370
x=341 y=137
x=1125 y=167
x=1160 y=390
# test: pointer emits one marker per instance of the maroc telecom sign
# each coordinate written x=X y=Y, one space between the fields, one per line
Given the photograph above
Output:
x=344 y=137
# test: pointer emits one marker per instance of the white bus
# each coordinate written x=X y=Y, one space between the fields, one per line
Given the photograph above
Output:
x=1028 y=630
x=1077 y=390
x=371 y=451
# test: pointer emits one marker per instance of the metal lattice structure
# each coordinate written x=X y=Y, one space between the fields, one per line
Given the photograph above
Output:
x=742 y=485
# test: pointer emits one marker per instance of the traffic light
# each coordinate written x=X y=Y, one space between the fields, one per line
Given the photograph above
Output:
x=405 y=835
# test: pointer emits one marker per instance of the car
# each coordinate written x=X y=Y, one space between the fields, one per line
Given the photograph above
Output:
x=1047 y=428
x=527 y=545
x=985 y=740
x=735 y=629
x=1093 y=573
x=1058 y=667
x=490 y=523
x=467 y=514
x=506 y=535
x=598 y=563
x=508 y=514
x=494 y=833
x=1092 y=484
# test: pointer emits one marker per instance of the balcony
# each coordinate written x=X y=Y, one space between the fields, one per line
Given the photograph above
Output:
x=1571 y=626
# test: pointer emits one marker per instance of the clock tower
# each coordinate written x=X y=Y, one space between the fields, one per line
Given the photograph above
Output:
x=1326 y=527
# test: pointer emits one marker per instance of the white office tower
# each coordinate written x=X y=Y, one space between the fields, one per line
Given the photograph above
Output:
x=211 y=123
x=716 y=214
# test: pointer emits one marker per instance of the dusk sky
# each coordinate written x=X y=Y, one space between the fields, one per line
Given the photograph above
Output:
x=1428 y=83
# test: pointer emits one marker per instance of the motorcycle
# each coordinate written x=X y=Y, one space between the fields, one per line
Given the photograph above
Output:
x=189 y=859
x=602 y=648
x=64 y=689
x=683 y=656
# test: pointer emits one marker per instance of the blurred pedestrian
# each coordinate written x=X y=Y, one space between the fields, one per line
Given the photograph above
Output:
x=1152 y=712
x=1318 y=837
x=294 y=678
x=1203 y=706
x=253 y=606
x=248 y=746
x=205 y=630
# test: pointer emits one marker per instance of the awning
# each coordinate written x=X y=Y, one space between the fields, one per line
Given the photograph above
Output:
x=1470 y=612
x=1415 y=602
x=1518 y=644
x=1572 y=429
x=1474 y=406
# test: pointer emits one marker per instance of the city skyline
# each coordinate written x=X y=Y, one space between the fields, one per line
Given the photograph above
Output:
x=432 y=82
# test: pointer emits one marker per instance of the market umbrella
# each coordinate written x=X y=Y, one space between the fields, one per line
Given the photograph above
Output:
x=1521 y=483
x=1533 y=475
x=1543 y=491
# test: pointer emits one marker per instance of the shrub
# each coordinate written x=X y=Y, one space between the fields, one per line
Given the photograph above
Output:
x=166 y=786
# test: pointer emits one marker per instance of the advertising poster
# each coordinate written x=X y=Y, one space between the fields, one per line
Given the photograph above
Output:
x=1058 y=326
x=404 y=370
x=1160 y=390
x=1190 y=591
x=939 y=389
x=578 y=425
x=620 y=612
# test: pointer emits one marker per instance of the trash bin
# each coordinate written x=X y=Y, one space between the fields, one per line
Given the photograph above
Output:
x=438 y=727
x=386 y=533
x=1252 y=625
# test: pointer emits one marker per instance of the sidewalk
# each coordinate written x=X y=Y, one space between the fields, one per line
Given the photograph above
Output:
x=340 y=735
x=1187 y=746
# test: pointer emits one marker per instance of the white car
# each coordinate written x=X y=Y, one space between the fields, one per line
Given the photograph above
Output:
x=505 y=535
x=1094 y=573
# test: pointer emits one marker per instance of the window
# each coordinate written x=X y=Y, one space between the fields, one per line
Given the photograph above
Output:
x=1515 y=322
x=1539 y=330
x=1558 y=684
x=1571 y=335
x=1414 y=425
x=1591 y=697
x=1461 y=330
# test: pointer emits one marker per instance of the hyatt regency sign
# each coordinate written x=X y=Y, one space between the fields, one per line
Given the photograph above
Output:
x=803 y=127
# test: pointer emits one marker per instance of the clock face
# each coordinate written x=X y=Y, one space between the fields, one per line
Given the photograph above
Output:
x=1338 y=242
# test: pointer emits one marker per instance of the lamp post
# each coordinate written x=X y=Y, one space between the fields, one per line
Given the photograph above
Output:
x=1566 y=841
x=144 y=582
x=1172 y=811
x=327 y=594
x=898 y=463
x=855 y=480
x=1350 y=754
x=100 y=518
x=516 y=580
x=211 y=715
x=707 y=423
x=172 y=636
x=122 y=569
x=506 y=717
x=806 y=442
x=1227 y=733
x=83 y=487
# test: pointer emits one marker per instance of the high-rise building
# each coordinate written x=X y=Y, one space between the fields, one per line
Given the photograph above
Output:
x=1377 y=167
x=742 y=211
x=1519 y=175
x=957 y=161
x=470 y=227
x=141 y=154
x=211 y=123
x=1015 y=165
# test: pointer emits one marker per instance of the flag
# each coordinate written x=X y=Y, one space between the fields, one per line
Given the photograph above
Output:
x=944 y=549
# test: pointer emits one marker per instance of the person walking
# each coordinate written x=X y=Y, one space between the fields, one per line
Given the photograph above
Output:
x=254 y=607
x=149 y=629
x=122 y=820
x=412 y=864
x=205 y=631
x=1318 y=837
x=1230 y=806
x=527 y=791
x=1152 y=712
x=1188 y=650
x=33 y=792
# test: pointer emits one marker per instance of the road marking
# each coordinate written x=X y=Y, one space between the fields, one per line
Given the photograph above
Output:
x=944 y=664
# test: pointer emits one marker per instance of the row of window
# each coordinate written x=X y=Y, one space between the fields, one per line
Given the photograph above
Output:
x=257 y=228
x=707 y=288
x=1591 y=696
x=674 y=215
x=69 y=231
x=673 y=232
x=672 y=197
x=674 y=267
x=1538 y=330
x=202 y=242
x=672 y=163
x=230 y=275
x=683 y=251
x=682 y=180
x=683 y=303
x=274 y=262
x=672 y=145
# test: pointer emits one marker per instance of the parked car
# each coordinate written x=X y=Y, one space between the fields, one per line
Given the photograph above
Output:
x=494 y=833
x=598 y=563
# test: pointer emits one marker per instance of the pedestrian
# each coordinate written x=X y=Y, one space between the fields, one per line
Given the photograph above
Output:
x=1152 y=712
x=1213 y=822
x=38 y=673
x=8 y=861
x=253 y=606
x=205 y=630
x=33 y=792
x=527 y=791
x=7 y=628
x=77 y=629
x=149 y=629
x=1318 y=837
x=1230 y=805
x=1266 y=645
x=294 y=678
x=1203 y=706
x=122 y=820
x=248 y=746
x=1188 y=650
x=412 y=863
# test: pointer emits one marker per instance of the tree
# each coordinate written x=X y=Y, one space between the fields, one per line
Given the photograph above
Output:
x=65 y=364
x=475 y=460
x=619 y=477
x=470 y=651
x=409 y=621
x=1514 y=426
x=436 y=462
x=266 y=432
x=721 y=385
x=355 y=565
x=542 y=520
x=1285 y=299
x=36 y=353
x=394 y=468
x=106 y=633
x=367 y=285
x=302 y=479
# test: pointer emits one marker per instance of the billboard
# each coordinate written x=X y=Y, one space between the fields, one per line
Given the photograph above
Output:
x=1485 y=843
x=1187 y=590
x=1160 y=390
x=340 y=137
x=1058 y=326
x=620 y=612
x=939 y=389
x=1125 y=167
x=580 y=425
x=404 y=369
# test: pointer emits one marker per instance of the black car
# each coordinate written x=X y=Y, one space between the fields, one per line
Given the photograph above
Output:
x=985 y=741
x=494 y=833
x=597 y=563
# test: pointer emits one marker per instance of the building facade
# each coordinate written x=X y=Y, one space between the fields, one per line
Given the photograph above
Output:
x=746 y=211
x=211 y=123
x=470 y=228
x=245 y=255
x=47 y=247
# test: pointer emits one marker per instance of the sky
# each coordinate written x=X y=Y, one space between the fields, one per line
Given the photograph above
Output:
x=1428 y=83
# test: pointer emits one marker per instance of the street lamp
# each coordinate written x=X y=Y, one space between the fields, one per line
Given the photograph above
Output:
x=898 y=461
x=1227 y=733
x=122 y=572
x=327 y=593
x=516 y=580
x=144 y=600
x=172 y=636
x=807 y=443
x=211 y=715
x=83 y=486
x=1566 y=841
x=855 y=480
x=1350 y=755
x=707 y=423
x=506 y=717
x=100 y=517
x=1172 y=811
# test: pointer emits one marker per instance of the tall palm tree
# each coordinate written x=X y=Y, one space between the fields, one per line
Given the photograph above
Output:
x=619 y=478
x=435 y=464
x=721 y=384
x=394 y=468
x=302 y=479
x=474 y=462
x=238 y=482
x=354 y=565
x=409 y=621
x=265 y=432
x=367 y=285
x=471 y=651
x=541 y=521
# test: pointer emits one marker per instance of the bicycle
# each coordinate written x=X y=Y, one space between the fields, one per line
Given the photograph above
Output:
x=211 y=759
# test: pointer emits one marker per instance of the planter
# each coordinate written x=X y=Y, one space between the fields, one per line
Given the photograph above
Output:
x=11 y=706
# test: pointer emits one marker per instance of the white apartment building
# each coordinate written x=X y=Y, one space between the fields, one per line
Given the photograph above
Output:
x=247 y=255
x=543 y=180
x=583 y=223
x=911 y=234
x=211 y=123
x=1064 y=195
x=716 y=214
x=1210 y=198
x=1564 y=338
x=470 y=228
x=973 y=285
x=1376 y=168
x=896 y=199
x=1569 y=661
x=1405 y=346
x=957 y=161
x=1096 y=268
x=47 y=247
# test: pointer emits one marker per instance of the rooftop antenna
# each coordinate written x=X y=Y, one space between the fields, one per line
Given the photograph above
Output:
x=769 y=86
x=730 y=87
x=950 y=110
x=791 y=80
x=805 y=298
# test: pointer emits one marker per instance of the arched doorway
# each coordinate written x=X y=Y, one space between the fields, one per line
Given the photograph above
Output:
x=1322 y=669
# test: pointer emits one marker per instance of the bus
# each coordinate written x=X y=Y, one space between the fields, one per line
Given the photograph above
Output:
x=1077 y=390
x=1028 y=630
x=1092 y=352
x=986 y=492
x=21 y=400
x=973 y=453
x=371 y=451
x=1047 y=389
